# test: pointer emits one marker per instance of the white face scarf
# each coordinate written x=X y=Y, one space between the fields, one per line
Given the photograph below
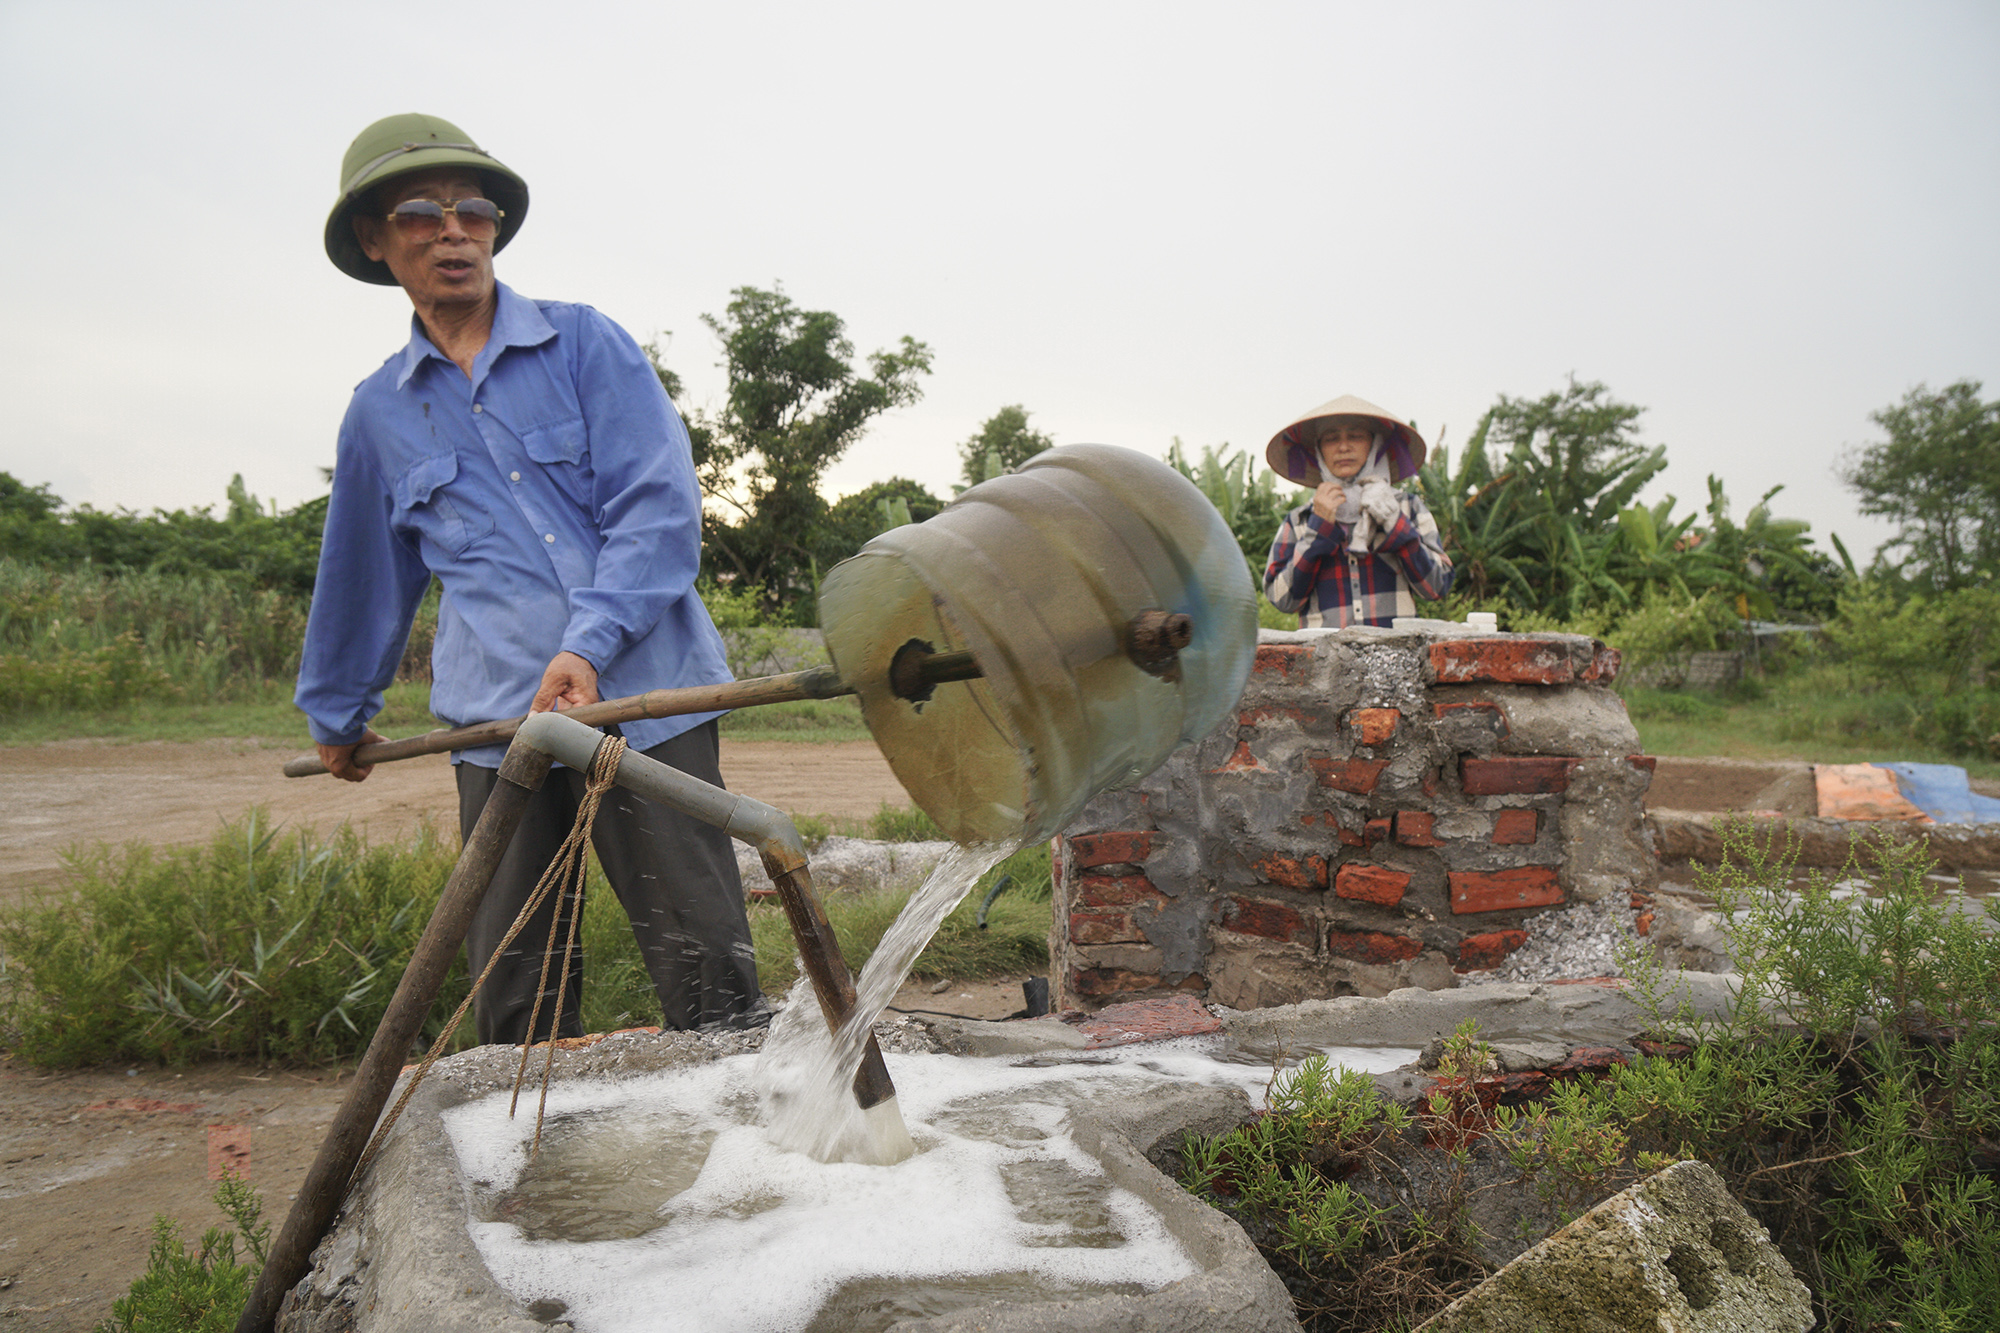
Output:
x=1375 y=471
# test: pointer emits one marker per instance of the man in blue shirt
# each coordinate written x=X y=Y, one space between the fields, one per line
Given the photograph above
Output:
x=524 y=454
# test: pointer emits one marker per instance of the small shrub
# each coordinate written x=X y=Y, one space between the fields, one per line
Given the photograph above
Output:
x=202 y=1292
x=262 y=944
x=1846 y=1097
x=903 y=824
x=1667 y=627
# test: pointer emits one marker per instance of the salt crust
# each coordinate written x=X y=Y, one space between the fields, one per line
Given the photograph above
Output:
x=804 y=1227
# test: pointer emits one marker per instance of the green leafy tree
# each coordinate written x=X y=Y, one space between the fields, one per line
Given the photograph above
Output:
x=1001 y=445
x=1937 y=477
x=795 y=403
x=1576 y=464
x=1249 y=497
x=256 y=545
x=853 y=519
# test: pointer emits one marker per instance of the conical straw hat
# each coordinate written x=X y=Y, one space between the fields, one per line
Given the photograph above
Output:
x=1290 y=452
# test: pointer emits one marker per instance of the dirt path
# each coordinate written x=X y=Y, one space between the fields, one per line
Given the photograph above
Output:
x=164 y=792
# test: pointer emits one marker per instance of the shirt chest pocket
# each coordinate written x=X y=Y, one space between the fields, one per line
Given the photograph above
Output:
x=422 y=503
x=560 y=448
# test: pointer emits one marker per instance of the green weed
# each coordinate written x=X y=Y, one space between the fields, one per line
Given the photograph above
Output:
x=1847 y=1096
x=262 y=944
x=202 y=1291
x=283 y=946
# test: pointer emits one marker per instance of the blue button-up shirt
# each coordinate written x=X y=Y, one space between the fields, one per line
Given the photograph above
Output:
x=552 y=493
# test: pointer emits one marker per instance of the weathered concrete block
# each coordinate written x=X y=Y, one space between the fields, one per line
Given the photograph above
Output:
x=1676 y=1253
x=1586 y=720
x=1603 y=854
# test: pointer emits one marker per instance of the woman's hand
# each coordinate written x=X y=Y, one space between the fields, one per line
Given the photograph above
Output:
x=1328 y=497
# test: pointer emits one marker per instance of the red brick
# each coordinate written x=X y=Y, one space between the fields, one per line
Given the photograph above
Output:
x=1415 y=828
x=1293 y=872
x=1482 y=953
x=1100 y=849
x=1103 y=928
x=1374 y=831
x=1515 y=828
x=1640 y=900
x=1373 y=726
x=1431 y=776
x=1371 y=884
x=1643 y=923
x=1515 y=775
x=1273 y=921
x=1351 y=775
x=1649 y=762
x=1372 y=946
x=1497 y=890
x=1662 y=1050
x=1242 y=761
x=1604 y=664
x=1156 y=1019
x=1115 y=891
x=1093 y=981
x=1588 y=1060
x=1348 y=838
x=1287 y=661
x=1257 y=717
x=1511 y=661
x=1496 y=717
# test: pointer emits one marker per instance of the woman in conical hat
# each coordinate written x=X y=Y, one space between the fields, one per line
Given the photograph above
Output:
x=1360 y=551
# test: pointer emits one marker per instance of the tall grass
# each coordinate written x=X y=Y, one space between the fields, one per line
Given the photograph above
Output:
x=286 y=947
x=81 y=638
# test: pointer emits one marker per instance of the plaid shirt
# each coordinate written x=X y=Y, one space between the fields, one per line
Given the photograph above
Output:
x=1313 y=573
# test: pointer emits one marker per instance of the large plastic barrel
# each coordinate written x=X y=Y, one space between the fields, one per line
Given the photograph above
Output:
x=1039 y=574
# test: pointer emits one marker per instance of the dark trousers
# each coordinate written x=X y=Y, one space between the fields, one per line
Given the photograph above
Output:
x=675 y=876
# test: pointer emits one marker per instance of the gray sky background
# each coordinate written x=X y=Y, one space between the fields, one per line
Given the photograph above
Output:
x=1760 y=221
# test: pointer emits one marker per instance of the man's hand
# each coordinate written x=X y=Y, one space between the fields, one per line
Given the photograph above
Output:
x=570 y=682
x=1328 y=497
x=339 y=759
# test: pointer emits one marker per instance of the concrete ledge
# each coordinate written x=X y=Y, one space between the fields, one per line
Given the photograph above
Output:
x=1825 y=844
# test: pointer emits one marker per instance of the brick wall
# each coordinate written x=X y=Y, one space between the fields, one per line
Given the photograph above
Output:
x=1383 y=809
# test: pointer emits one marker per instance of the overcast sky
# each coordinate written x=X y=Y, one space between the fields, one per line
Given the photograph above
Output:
x=1759 y=221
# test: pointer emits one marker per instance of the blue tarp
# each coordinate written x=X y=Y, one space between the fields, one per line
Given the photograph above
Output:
x=1943 y=792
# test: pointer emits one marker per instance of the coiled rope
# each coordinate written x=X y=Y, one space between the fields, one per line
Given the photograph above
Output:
x=565 y=879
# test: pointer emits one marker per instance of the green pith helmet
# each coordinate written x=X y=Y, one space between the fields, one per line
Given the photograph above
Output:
x=396 y=146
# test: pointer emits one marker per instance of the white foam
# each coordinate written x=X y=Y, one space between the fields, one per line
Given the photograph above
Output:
x=765 y=1236
x=805 y=1075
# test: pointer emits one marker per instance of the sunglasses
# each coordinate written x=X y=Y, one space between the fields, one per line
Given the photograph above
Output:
x=423 y=219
